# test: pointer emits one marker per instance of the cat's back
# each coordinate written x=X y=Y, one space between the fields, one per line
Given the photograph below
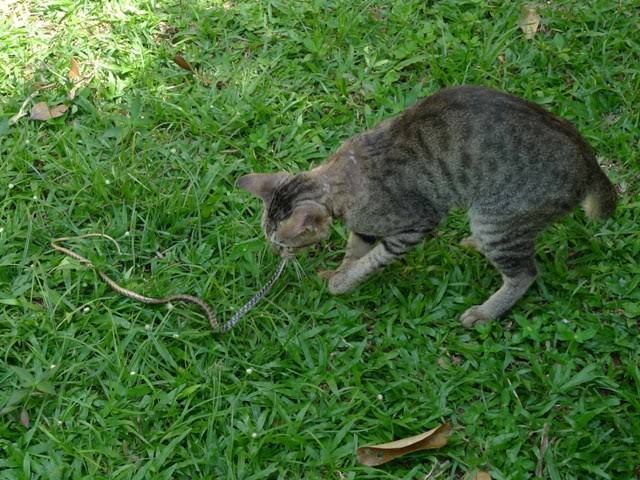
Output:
x=481 y=111
x=469 y=143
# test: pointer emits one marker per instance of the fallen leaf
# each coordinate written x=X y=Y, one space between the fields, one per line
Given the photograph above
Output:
x=24 y=418
x=74 y=71
x=78 y=80
x=182 y=63
x=373 y=455
x=58 y=110
x=42 y=112
x=529 y=21
x=479 y=475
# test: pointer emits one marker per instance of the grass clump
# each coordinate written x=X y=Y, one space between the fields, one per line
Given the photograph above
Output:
x=97 y=386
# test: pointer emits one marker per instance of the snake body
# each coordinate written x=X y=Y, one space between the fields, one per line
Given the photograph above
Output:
x=206 y=308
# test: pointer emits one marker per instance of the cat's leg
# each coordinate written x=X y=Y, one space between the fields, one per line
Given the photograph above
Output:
x=511 y=250
x=354 y=272
x=357 y=247
x=512 y=289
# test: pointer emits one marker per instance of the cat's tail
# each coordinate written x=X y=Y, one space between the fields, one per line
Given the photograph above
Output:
x=600 y=201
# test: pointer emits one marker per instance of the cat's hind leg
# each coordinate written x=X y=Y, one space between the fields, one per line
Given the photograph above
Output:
x=510 y=248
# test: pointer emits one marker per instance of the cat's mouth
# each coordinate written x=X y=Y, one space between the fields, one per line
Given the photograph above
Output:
x=288 y=251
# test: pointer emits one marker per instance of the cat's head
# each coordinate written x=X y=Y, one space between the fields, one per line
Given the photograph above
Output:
x=295 y=212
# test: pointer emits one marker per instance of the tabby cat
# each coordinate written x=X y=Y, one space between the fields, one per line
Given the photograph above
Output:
x=514 y=166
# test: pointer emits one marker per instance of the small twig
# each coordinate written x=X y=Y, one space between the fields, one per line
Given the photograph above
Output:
x=544 y=444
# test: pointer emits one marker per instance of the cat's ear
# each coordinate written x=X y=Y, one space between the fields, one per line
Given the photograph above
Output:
x=262 y=184
x=308 y=217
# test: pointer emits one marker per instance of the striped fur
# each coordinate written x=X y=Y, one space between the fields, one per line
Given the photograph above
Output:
x=514 y=166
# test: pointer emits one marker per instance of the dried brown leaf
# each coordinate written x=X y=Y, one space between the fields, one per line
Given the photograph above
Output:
x=182 y=63
x=23 y=108
x=74 y=71
x=79 y=81
x=373 y=455
x=42 y=112
x=58 y=110
x=529 y=21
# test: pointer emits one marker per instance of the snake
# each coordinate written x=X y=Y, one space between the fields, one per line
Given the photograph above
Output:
x=181 y=297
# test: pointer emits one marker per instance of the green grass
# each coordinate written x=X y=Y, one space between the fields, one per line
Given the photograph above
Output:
x=149 y=154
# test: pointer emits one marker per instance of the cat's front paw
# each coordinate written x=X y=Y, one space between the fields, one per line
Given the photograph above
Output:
x=340 y=283
x=474 y=316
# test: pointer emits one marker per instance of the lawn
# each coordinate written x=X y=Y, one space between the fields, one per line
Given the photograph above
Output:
x=97 y=386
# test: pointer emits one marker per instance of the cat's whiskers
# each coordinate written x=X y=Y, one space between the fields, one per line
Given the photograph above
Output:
x=297 y=267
